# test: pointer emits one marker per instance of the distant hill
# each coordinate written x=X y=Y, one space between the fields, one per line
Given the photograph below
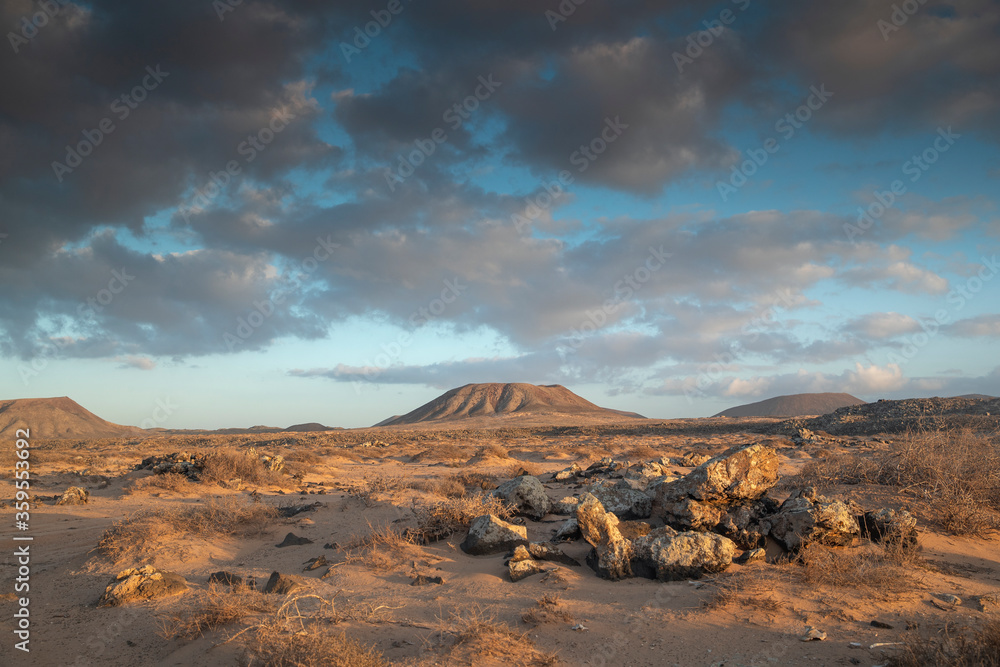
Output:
x=795 y=405
x=50 y=418
x=311 y=426
x=507 y=400
x=981 y=397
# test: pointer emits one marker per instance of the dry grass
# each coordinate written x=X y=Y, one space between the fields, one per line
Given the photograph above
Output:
x=749 y=587
x=217 y=607
x=439 y=520
x=956 y=474
x=471 y=479
x=641 y=452
x=518 y=468
x=870 y=568
x=383 y=548
x=480 y=636
x=448 y=487
x=136 y=536
x=377 y=487
x=494 y=450
x=170 y=481
x=953 y=647
x=223 y=465
x=547 y=609
x=274 y=647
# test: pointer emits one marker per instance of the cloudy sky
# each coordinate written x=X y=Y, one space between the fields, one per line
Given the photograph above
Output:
x=273 y=212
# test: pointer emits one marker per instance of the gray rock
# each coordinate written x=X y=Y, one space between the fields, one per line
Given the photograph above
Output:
x=490 y=535
x=887 y=525
x=612 y=554
x=758 y=555
x=293 y=540
x=520 y=569
x=527 y=494
x=565 y=506
x=139 y=584
x=545 y=552
x=569 y=530
x=621 y=499
x=282 y=584
x=74 y=495
x=744 y=472
x=806 y=518
x=667 y=555
x=748 y=523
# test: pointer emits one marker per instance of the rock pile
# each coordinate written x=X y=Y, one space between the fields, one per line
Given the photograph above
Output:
x=138 y=584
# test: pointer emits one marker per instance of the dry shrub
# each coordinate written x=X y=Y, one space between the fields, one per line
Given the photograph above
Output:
x=135 y=536
x=227 y=464
x=216 y=607
x=749 y=587
x=272 y=646
x=383 y=548
x=439 y=520
x=479 y=635
x=547 y=609
x=953 y=647
x=444 y=452
x=170 y=481
x=377 y=486
x=303 y=456
x=493 y=449
x=518 y=468
x=471 y=479
x=448 y=487
x=869 y=568
x=641 y=452
x=955 y=473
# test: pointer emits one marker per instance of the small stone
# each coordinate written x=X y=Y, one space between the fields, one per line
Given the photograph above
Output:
x=521 y=569
x=315 y=563
x=813 y=635
x=424 y=580
x=758 y=555
x=283 y=584
x=951 y=599
x=293 y=540
x=880 y=624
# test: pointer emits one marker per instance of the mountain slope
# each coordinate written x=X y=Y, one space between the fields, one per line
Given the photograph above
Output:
x=500 y=399
x=57 y=418
x=794 y=405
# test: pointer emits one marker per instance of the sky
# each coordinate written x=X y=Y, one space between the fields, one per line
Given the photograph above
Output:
x=220 y=214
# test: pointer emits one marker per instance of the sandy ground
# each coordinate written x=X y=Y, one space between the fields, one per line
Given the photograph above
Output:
x=633 y=622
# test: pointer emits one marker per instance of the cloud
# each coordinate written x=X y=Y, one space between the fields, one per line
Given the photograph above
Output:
x=982 y=326
x=142 y=363
x=880 y=326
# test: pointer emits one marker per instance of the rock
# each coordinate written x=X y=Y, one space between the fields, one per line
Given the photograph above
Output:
x=690 y=460
x=881 y=625
x=621 y=499
x=567 y=475
x=519 y=569
x=803 y=434
x=886 y=525
x=667 y=555
x=138 y=584
x=315 y=563
x=633 y=529
x=74 y=495
x=424 y=580
x=744 y=472
x=612 y=554
x=989 y=602
x=644 y=473
x=758 y=555
x=951 y=599
x=813 y=635
x=282 y=584
x=527 y=494
x=293 y=540
x=748 y=522
x=566 y=506
x=569 y=530
x=274 y=463
x=547 y=552
x=806 y=517
x=690 y=514
x=490 y=535
x=230 y=579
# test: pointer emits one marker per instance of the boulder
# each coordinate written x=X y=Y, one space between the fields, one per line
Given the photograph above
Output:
x=490 y=535
x=744 y=472
x=74 y=495
x=690 y=460
x=644 y=473
x=806 y=517
x=606 y=467
x=667 y=555
x=612 y=553
x=520 y=569
x=748 y=523
x=621 y=499
x=527 y=494
x=891 y=526
x=567 y=475
x=566 y=506
x=569 y=530
x=545 y=552
x=690 y=514
x=282 y=584
x=139 y=584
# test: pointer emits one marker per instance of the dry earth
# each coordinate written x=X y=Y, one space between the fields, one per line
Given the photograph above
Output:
x=375 y=481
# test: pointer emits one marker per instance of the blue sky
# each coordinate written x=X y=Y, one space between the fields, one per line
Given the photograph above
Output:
x=304 y=288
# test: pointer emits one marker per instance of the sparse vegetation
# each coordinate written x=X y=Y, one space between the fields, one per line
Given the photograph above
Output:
x=272 y=646
x=953 y=647
x=751 y=586
x=479 y=635
x=439 y=520
x=869 y=568
x=135 y=537
x=170 y=481
x=383 y=548
x=547 y=609
x=224 y=465
x=218 y=606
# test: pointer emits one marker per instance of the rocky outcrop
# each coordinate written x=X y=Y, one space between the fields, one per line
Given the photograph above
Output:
x=667 y=555
x=611 y=555
x=74 y=495
x=621 y=499
x=139 y=584
x=490 y=535
x=810 y=518
x=745 y=472
x=527 y=494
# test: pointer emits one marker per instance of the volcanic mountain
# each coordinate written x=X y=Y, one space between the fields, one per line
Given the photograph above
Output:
x=57 y=418
x=542 y=402
x=795 y=405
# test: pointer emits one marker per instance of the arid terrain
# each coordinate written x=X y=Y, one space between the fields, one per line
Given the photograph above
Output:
x=366 y=528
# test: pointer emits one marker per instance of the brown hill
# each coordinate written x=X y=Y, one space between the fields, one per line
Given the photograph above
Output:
x=57 y=418
x=795 y=405
x=310 y=426
x=548 y=402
